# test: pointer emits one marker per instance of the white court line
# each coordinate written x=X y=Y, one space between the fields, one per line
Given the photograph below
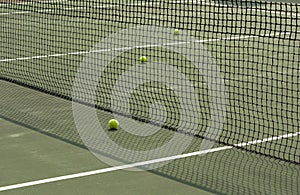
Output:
x=140 y=164
x=31 y=2
x=150 y=3
x=276 y=12
x=242 y=8
x=52 y=10
x=147 y=46
x=76 y=8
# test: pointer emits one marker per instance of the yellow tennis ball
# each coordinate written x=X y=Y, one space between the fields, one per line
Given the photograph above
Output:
x=143 y=59
x=176 y=32
x=113 y=124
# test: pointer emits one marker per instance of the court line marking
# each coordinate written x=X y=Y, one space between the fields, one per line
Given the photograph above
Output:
x=146 y=46
x=31 y=2
x=242 y=8
x=52 y=10
x=76 y=8
x=144 y=163
x=141 y=3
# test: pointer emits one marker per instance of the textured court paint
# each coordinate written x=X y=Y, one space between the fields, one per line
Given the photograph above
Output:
x=140 y=164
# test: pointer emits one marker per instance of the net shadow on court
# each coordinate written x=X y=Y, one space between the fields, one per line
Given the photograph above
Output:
x=253 y=44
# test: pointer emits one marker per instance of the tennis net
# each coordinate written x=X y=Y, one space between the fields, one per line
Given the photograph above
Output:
x=224 y=71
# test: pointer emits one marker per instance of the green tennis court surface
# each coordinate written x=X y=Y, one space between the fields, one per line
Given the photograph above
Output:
x=27 y=155
x=239 y=94
x=63 y=149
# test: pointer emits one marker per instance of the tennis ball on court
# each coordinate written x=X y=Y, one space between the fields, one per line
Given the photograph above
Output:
x=143 y=59
x=113 y=124
x=176 y=32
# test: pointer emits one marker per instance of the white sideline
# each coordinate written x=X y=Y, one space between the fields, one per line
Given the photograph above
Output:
x=149 y=3
x=146 y=46
x=140 y=164
x=31 y=2
x=75 y=8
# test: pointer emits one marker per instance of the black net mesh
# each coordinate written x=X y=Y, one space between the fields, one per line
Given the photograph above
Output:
x=222 y=71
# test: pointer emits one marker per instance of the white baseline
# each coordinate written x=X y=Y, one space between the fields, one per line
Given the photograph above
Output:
x=147 y=46
x=141 y=164
x=141 y=3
